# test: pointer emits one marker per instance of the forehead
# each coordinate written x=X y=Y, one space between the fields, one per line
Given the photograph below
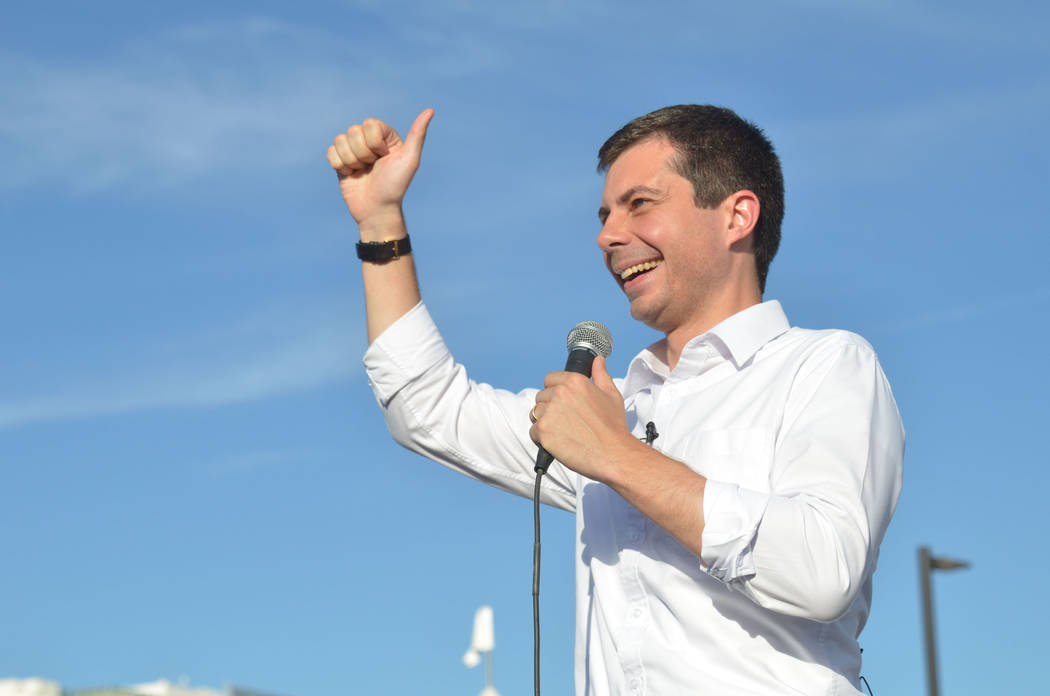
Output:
x=642 y=163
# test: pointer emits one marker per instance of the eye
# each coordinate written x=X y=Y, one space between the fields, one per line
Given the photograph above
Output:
x=638 y=202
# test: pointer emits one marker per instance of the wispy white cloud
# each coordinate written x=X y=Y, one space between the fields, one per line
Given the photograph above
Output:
x=244 y=96
x=257 y=460
x=547 y=16
x=95 y=127
x=275 y=352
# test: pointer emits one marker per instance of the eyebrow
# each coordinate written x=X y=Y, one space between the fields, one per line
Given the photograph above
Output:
x=626 y=196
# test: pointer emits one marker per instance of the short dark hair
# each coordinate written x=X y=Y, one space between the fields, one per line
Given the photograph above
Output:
x=719 y=153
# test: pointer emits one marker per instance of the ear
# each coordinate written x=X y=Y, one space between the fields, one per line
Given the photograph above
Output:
x=743 y=211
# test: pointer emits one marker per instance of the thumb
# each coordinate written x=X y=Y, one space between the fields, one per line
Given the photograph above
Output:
x=602 y=379
x=417 y=134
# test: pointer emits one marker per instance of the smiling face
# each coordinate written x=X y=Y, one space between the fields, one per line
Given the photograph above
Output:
x=672 y=259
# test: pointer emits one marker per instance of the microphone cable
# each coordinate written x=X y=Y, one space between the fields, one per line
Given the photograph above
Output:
x=650 y=435
x=536 y=584
x=587 y=340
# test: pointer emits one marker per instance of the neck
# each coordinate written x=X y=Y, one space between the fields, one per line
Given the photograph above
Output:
x=705 y=319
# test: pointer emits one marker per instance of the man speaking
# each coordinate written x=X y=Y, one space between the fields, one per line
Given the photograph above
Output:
x=733 y=553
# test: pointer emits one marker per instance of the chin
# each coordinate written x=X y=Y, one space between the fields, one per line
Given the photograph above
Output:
x=645 y=315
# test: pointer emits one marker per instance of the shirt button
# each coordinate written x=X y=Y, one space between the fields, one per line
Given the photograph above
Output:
x=636 y=613
x=633 y=534
x=634 y=685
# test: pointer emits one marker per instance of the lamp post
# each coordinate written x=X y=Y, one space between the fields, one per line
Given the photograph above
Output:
x=482 y=642
x=928 y=563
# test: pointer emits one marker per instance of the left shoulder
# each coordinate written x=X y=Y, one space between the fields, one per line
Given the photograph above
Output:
x=813 y=343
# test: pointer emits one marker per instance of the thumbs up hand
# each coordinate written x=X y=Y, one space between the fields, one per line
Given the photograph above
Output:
x=375 y=167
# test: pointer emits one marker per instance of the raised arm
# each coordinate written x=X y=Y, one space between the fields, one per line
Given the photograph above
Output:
x=375 y=167
x=429 y=403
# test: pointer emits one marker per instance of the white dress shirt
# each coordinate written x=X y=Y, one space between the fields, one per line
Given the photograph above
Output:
x=801 y=442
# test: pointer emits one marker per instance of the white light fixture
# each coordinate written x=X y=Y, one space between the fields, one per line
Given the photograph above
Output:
x=482 y=642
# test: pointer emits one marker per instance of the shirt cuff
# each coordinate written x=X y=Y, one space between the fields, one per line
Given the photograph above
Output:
x=403 y=352
x=731 y=518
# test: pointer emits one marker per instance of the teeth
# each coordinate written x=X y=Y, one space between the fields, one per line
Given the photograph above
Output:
x=634 y=270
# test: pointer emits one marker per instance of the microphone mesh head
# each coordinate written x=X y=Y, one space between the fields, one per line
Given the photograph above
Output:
x=592 y=336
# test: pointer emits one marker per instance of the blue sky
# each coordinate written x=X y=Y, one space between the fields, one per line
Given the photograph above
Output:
x=195 y=478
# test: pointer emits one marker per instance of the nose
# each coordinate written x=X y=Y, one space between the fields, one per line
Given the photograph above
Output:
x=612 y=234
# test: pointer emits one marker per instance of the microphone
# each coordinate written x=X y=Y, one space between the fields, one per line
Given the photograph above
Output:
x=585 y=342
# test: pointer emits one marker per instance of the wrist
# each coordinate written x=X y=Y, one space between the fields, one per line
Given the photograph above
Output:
x=625 y=462
x=383 y=225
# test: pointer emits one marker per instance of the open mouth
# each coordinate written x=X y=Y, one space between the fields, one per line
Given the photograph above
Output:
x=638 y=269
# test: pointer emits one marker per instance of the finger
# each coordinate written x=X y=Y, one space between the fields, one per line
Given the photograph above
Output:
x=555 y=379
x=346 y=155
x=337 y=162
x=551 y=393
x=355 y=136
x=333 y=158
x=417 y=134
x=379 y=137
x=600 y=374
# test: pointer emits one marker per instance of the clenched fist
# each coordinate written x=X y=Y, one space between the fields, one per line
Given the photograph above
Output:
x=375 y=167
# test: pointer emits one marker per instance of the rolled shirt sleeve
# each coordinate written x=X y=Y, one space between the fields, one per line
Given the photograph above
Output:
x=731 y=518
x=807 y=545
x=403 y=353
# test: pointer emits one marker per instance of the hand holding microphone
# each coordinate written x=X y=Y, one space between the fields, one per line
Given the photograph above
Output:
x=589 y=344
x=572 y=414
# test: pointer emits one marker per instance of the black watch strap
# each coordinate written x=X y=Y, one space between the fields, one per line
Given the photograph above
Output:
x=384 y=251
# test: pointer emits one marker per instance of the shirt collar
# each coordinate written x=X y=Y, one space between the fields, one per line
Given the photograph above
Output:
x=737 y=338
x=742 y=335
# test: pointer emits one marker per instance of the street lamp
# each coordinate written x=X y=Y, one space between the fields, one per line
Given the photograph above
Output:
x=926 y=564
x=482 y=642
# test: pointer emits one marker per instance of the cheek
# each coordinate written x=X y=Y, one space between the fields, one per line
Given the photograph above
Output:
x=653 y=234
x=690 y=264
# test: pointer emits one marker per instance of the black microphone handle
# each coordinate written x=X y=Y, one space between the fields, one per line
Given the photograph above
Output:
x=580 y=361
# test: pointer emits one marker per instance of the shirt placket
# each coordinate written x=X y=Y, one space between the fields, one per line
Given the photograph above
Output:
x=663 y=402
x=636 y=603
x=636 y=600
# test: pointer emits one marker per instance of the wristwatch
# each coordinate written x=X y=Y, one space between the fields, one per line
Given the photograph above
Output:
x=384 y=251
